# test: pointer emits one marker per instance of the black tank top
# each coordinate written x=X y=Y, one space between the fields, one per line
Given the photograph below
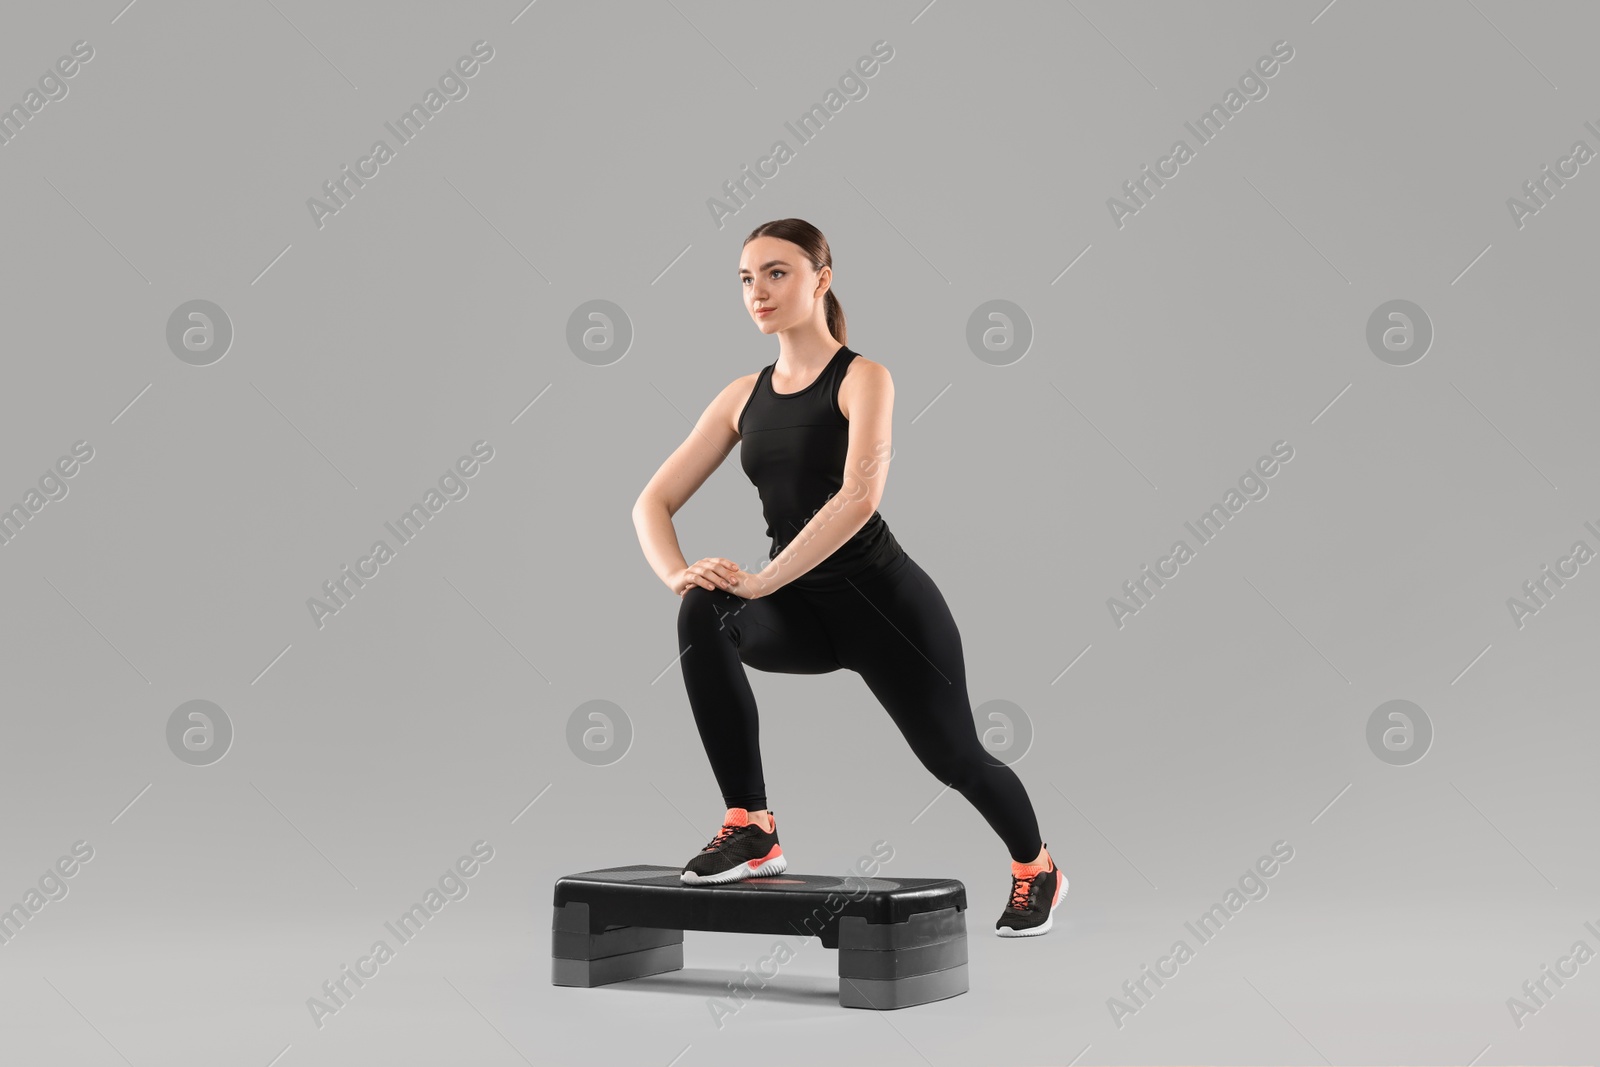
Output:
x=792 y=446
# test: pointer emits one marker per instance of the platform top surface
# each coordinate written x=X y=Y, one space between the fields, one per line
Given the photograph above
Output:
x=808 y=884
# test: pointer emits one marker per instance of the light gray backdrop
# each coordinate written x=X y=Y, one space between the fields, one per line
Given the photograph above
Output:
x=1140 y=365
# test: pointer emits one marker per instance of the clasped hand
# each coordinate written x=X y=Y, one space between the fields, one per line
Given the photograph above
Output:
x=717 y=572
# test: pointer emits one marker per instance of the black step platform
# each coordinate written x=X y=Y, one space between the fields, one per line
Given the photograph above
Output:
x=901 y=941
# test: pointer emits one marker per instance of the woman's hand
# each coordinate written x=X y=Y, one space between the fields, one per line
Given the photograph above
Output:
x=712 y=572
x=716 y=572
x=752 y=586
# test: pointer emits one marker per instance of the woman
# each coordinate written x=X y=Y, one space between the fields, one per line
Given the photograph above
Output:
x=838 y=590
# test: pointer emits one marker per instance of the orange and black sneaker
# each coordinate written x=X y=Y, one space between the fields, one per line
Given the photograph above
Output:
x=741 y=849
x=1035 y=892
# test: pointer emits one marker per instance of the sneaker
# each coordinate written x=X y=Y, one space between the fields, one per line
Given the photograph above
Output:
x=1034 y=896
x=741 y=849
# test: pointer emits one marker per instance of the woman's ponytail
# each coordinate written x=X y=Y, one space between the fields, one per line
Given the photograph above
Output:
x=835 y=315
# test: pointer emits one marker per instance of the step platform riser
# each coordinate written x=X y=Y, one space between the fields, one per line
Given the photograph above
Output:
x=901 y=963
x=618 y=968
x=575 y=946
x=902 y=992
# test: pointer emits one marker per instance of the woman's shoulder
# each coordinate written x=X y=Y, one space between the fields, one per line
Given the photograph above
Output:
x=863 y=369
x=739 y=388
x=862 y=378
x=736 y=396
x=742 y=387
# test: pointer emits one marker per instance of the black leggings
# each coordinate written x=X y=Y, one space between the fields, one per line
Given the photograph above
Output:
x=894 y=629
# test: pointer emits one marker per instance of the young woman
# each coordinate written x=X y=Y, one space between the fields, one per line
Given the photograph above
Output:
x=838 y=591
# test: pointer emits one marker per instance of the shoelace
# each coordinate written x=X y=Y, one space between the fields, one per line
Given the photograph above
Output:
x=727 y=831
x=1021 y=890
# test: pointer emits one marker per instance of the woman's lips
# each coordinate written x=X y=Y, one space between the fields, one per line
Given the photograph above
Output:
x=763 y=311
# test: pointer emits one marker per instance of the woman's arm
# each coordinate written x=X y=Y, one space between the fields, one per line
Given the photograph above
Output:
x=685 y=471
x=866 y=397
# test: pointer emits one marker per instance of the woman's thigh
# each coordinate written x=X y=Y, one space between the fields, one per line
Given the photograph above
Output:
x=903 y=641
x=781 y=633
x=898 y=625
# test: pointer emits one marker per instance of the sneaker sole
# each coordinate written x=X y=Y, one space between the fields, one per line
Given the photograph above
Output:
x=776 y=865
x=1044 y=927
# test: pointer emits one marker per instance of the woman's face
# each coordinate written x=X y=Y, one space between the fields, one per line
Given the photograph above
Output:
x=776 y=275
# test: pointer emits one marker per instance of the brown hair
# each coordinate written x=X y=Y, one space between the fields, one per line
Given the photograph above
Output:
x=815 y=246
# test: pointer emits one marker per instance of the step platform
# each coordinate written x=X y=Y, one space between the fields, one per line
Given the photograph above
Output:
x=901 y=941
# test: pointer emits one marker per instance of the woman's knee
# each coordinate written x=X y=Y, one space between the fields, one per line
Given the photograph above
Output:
x=958 y=765
x=694 y=606
x=702 y=612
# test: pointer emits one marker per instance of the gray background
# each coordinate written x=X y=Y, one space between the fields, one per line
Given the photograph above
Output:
x=370 y=354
